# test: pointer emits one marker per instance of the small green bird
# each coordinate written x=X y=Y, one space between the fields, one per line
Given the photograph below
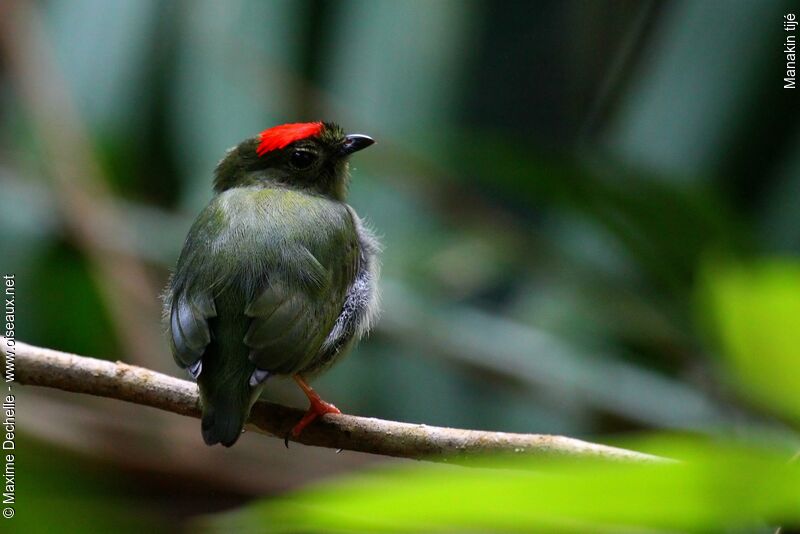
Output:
x=278 y=275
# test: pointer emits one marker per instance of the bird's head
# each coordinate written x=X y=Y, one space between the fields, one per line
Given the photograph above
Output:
x=309 y=155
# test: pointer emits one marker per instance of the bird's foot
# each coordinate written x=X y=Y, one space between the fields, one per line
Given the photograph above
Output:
x=316 y=408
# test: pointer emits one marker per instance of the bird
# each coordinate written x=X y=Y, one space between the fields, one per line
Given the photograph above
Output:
x=278 y=275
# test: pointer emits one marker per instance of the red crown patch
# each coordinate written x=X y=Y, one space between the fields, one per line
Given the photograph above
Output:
x=278 y=137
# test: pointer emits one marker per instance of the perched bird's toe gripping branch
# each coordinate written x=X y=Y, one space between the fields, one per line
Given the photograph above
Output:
x=317 y=407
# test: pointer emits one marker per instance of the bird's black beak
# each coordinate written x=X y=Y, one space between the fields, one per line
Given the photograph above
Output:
x=354 y=143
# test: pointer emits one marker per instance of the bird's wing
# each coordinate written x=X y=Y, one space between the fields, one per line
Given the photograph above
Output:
x=188 y=327
x=360 y=308
x=303 y=293
x=188 y=306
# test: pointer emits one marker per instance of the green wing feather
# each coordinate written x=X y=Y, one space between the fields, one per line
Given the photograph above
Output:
x=283 y=260
x=293 y=314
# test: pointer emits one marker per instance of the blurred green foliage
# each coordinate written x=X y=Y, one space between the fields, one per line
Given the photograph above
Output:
x=715 y=486
x=755 y=312
x=62 y=492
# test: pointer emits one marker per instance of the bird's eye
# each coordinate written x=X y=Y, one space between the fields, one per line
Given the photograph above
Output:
x=302 y=159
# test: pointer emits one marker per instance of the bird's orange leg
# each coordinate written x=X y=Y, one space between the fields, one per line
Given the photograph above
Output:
x=316 y=407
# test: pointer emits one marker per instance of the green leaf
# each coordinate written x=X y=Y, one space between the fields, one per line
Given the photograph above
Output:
x=714 y=486
x=755 y=311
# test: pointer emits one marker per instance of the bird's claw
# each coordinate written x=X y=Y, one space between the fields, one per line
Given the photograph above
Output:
x=317 y=408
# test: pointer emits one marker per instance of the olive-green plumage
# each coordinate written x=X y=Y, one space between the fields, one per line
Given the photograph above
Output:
x=277 y=276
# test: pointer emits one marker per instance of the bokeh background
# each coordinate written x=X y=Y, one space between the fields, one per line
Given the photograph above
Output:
x=562 y=189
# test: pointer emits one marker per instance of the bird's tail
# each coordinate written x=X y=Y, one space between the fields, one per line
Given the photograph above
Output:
x=224 y=386
x=223 y=420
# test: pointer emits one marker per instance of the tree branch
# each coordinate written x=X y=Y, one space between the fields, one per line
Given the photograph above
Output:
x=38 y=366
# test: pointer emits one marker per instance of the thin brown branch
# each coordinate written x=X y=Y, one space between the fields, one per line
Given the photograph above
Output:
x=38 y=366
